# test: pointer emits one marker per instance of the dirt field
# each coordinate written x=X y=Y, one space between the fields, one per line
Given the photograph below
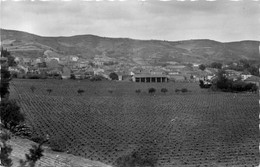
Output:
x=108 y=120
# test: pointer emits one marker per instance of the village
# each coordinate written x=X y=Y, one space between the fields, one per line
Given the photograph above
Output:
x=102 y=66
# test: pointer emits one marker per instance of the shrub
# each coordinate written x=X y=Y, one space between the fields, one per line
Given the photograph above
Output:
x=4 y=84
x=151 y=90
x=49 y=90
x=138 y=91
x=32 y=88
x=35 y=153
x=224 y=84
x=202 y=67
x=164 y=90
x=80 y=91
x=135 y=159
x=72 y=76
x=183 y=90
x=57 y=145
x=96 y=78
x=5 y=150
x=113 y=76
x=10 y=114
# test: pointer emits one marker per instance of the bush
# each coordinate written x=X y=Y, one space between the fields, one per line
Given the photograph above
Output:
x=72 y=76
x=96 y=78
x=151 y=90
x=135 y=159
x=183 y=90
x=80 y=91
x=49 y=90
x=10 y=114
x=224 y=84
x=57 y=145
x=5 y=150
x=164 y=90
x=4 y=84
x=113 y=76
x=177 y=90
x=138 y=91
x=32 y=88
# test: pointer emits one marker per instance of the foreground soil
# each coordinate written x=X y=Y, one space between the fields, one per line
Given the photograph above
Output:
x=50 y=159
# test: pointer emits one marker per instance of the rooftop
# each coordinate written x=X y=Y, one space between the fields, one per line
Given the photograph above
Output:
x=150 y=75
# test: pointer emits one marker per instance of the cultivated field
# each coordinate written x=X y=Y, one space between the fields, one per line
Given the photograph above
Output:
x=197 y=128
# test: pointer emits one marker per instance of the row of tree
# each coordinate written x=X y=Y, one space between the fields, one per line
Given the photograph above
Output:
x=223 y=83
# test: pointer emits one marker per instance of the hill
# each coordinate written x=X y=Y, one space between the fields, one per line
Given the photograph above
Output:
x=143 y=52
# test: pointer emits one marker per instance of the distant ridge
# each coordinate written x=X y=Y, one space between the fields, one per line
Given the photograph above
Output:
x=143 y=52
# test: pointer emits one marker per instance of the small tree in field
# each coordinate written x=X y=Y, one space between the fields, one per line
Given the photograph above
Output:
x=80 y=91
x=184 y=90
x=164 y=90
x=202 y=67
x=32 y=88
x=151 y=90
x=49 y=90
x=177 y=90
x=137 y=91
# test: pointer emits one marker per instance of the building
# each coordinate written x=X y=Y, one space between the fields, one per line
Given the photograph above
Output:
x=66 y=73
x=253 y=79
x=150 y=78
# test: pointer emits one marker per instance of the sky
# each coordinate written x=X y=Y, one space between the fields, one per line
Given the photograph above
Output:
x=219 y=20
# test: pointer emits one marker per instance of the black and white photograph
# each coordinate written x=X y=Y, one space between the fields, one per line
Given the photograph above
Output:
x=130 y=83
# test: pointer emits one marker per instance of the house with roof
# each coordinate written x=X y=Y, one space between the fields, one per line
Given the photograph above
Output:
x=253 y=79
x=66 y=72
x=245 y=75
x=147 y=78
x=52 y=64
x=73 y=58
x=27 y=61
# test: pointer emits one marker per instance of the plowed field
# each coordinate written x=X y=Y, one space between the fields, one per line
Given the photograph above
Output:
x=197 y=128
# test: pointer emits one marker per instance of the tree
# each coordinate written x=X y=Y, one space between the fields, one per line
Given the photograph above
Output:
x=184 y=90
x=5 y=78
x=72 y=76
x=49 y=90
x=80 y=91
x=177 y=90
x=222 y=82
x=113 y=76
x=5 y=150
x=151 y=90
x=138 y=91
x=10 y=58
x=35 y=154
x=11 y=115
x=202 y=67
x=164 y=90
x=216 y=65
x=32 y=88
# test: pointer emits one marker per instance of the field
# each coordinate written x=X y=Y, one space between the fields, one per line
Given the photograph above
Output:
x=109 y=120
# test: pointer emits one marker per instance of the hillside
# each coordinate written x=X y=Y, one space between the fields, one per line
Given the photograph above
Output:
x=144 y=52
x=21 y=146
